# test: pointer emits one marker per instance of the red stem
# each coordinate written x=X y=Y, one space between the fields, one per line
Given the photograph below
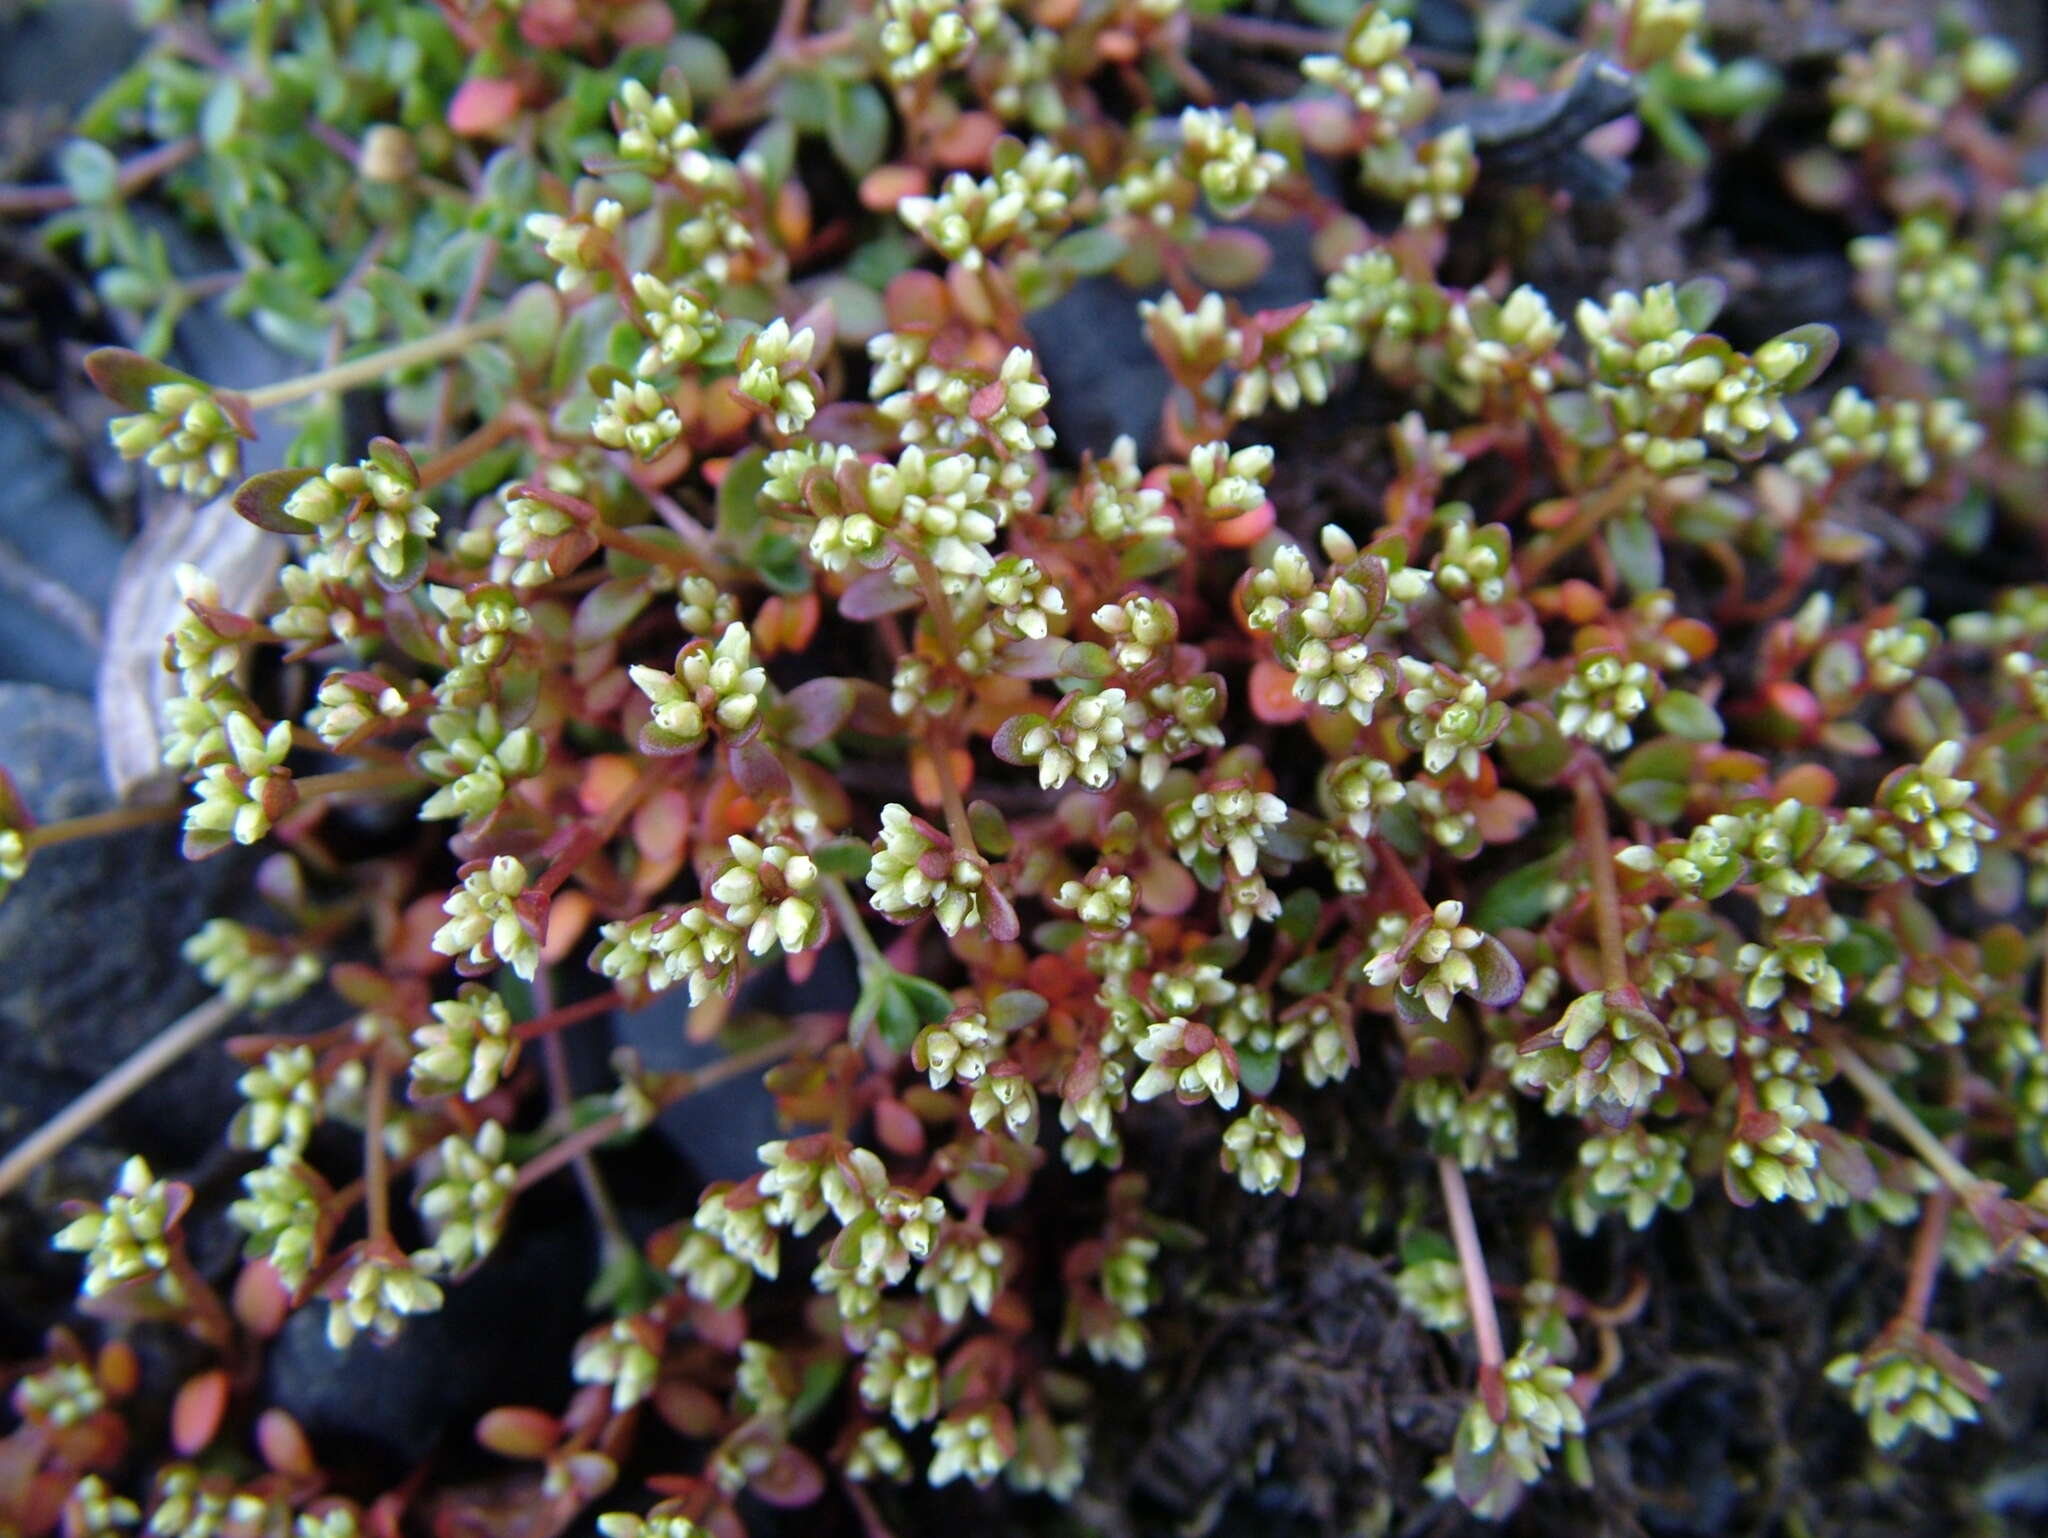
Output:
x=1926 y=1266
x=569 y=1014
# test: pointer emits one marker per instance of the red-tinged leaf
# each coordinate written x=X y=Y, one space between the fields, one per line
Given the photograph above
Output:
x=1821 y=344
x=1735 y=1193
x=408 y=576
x=283 y=1445
x=1505 y=816
x=817 y=712
x=692 y=1411
x=898 y=1129
x=261 y=499
x=389 y=455
x=873 y=715
x=791 y=1481
x=1031 y=659
x=1272 y=694
x=360 y=985
x=1007 y=742
x=590 y=1474
x=198 y=845
x=1086 y=659
x=917 y=299
x=756 y=769
x=235 y=407
x=532 y=906
x=608 y=609
x=126 y=377
x=999 y=915
x=1500 y=975
x=987 y=401
x=656 y=743
x=1166 y=889
x=1428 y=1057
x=1846 y=1162
x=406 y=628
x=197 y=1412
x=14 y=811
x=482 y=105
x=1016 y=1008
x=261 y=1301
x=875 y=594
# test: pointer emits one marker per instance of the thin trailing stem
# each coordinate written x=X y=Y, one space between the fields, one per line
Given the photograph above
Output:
x=458 y=457
x=1895 y=1113
x=604 y=1213
x=1396 y=870
x=119 y=819
x=561 y=1019
x=592 y=522
x=867 y=955
x=1926 y=1265
x=1595 y=844
x=376 y=1158
x=375 y=366
x=97 y=1103
x=957 y=825
x=1583 y=524
x=124 y=819
x=1478 y=1286
x=133 y=175
x=346 y=782
x=594 y=1134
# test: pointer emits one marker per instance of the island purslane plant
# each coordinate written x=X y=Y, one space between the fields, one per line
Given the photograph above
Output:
x=723 y=594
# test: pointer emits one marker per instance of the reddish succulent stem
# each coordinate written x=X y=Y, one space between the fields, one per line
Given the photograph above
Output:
x=1926 y=1265
x=1595 y=844
x=605 y=1128
x=561 y=1098
x=118 y=819
x=1478 y=1287
x=457 y=458
x=1592 y=511
x=134 y=174
x=595 y=834
x=376 y=1162
x=1404 y=884
x=957 y=825
x=1886 y=1105
x=569 y=1014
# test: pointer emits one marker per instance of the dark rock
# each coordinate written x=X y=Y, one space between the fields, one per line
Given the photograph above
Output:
x=89 y=948
x=504 y=1336
x=60 y=55
x=57 y=560
x=719 y=1130
x=1106 y=380
x=1537 y=143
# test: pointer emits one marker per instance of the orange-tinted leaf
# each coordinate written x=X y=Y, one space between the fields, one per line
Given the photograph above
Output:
x=1245 y=530
x=1272 y=694
x=197 y=1412
x=518 y=1431
x=283 y=1444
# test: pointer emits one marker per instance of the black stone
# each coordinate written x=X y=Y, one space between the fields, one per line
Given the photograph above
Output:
x=504 y=1336
x=90 y=968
